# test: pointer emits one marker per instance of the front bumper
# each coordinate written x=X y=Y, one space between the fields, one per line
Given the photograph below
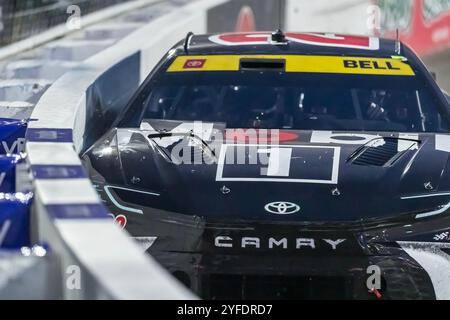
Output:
x=296 y=277
x=187 y=247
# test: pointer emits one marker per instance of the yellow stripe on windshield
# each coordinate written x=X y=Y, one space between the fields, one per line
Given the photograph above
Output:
x=297 y=63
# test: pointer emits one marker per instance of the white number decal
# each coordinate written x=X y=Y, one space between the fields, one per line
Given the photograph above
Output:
x=279 y=163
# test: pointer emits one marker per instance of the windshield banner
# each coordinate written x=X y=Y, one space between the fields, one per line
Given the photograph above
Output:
x=295 y=63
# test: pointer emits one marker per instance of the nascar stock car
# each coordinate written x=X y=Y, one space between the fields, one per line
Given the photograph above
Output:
x=286 y=165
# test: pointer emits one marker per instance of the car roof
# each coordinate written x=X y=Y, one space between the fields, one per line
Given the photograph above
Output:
x=295 y=44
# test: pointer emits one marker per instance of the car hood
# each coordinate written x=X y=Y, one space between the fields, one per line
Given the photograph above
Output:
x=314 y=176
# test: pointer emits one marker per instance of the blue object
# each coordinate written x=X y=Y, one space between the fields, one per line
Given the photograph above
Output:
x=14 y=220
x=8 y=172
x=12 y=136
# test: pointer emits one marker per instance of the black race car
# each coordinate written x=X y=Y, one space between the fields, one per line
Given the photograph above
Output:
x=297 y=165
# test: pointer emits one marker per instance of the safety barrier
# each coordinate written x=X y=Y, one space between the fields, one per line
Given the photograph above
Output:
x=54 y=30
x=21 y=19
x=67 y=213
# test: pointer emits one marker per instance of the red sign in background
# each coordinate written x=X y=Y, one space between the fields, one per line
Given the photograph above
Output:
x=427 y=36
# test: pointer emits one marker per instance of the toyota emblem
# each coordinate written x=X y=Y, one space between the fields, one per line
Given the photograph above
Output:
x=282 y=207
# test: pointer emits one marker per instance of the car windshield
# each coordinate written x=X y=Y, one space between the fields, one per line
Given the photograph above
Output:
x=280 y=100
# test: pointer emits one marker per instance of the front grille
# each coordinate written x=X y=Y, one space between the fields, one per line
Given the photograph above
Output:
x=269 y=287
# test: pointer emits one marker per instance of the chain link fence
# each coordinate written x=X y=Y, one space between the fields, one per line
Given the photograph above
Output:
x=20 y=19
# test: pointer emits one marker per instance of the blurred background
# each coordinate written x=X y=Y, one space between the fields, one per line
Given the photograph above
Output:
x=20 y=19
x=423 y=24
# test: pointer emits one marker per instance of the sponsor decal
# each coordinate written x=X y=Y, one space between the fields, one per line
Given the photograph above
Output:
x=119 y=220
x=369 y=64
x=342 y=137
x=282 y=207
x=259 y=136
x=245 y=242
x=298 y=64
x=316 y=39
x=443 y=236
x=194 y=64
x=279 y=163
x=16 y=146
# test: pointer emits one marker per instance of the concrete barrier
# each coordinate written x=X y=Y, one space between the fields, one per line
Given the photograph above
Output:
x=67 y=213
